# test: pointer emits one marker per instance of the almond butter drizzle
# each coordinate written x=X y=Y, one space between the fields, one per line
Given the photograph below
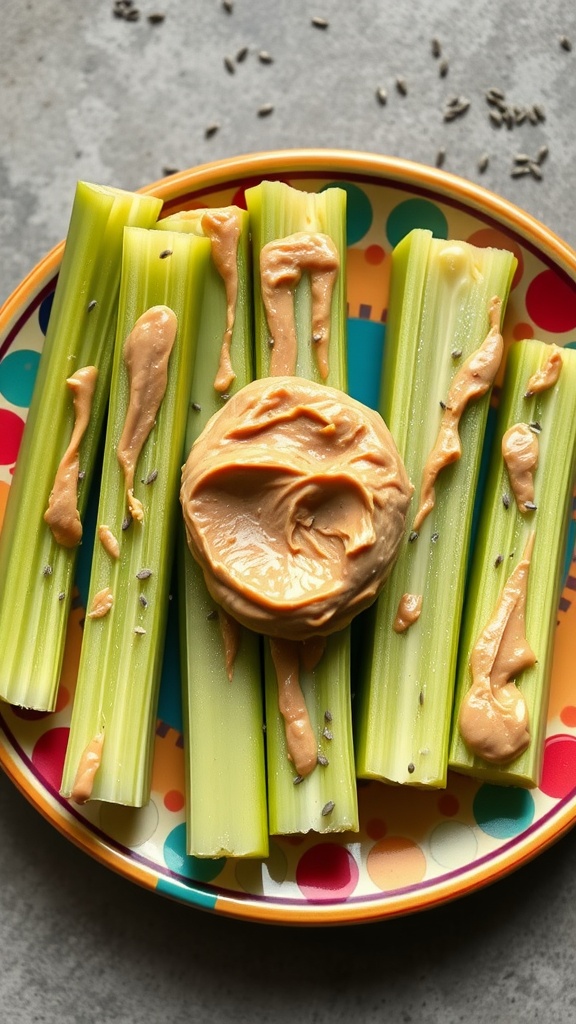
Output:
x=520 y=450
x=547 y=375
x=223 y=229
x=493 y=718
x=87 y=768
x=282 y=263
x=473 y=380
x=101 y=604
x=409 y=610
x=62 y=514
x=108 y=541
x=147 y=351
x=301 y=743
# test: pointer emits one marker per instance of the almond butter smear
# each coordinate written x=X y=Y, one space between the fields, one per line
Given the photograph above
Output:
x=520 y=451
x=294 y=499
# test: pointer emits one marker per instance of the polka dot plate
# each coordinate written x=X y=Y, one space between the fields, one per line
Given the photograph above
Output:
x=415 y=849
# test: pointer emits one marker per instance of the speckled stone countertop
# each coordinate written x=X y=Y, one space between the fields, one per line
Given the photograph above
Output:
x=85 y=94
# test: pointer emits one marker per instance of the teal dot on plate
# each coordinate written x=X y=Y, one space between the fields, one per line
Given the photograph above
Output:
x=195 y=868
x=17 y=375
x=415 y=213
x=503 y=811
x=359 y=215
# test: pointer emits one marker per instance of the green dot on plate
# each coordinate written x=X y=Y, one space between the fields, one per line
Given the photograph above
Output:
x=415 y=213
x=503 y=811
x=17 y=376
x=359 y=215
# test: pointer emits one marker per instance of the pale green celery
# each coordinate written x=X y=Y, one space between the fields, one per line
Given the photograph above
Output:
x=37 y=573
x=119 y=671
x=223 y=718
x=504 y=532
x=439 y=303
x=276 y=210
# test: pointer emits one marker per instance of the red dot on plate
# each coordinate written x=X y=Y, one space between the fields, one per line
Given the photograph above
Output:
x=174 y=800
x=559 y=770
x=48 y=756
x=522 y=331
x=568 y=715
x=376 y=828
x=448 y=804
x=551 y=302
x=11 y=430
x=374 y=254
x=327 y=872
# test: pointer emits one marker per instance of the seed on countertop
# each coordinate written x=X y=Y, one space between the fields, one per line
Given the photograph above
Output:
x=168 y=170
x=47 y=570
x=139 y=630
x=323 y=760
x=494 y=95
x=539 y=111
x=506 y=500
x=498 y=560
x=532 y=116
x=436 y=48
x=541 y=154
x=227 y=6
x=382 y=96
x=265 y=58
x=126 y=522
x=440 y=157
x=508 y=118
x=320 y=23
x=483 y=163
x=242 y=54
x=522 y=158
x=456 y=107
x=165 y=253
x=520 y=116
x=535 y=170
x=265 y=110
x=496 y=118
x=229 y=65
x=328 y=808
x=156 y=17
x=92 y=305
x=401 y=86
x=443 y=68
x=565 y=43
x=211 y=130
x=519 y=172
x=143 y=574
x=327 y=716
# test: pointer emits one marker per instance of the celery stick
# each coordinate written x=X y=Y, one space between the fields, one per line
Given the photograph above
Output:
x=502 y=537
x=223 y=718
x=36 y=572
x=276 y=210
x=437 y=317
x=121 y=656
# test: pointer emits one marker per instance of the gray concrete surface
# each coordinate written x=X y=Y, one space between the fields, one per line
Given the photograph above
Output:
x=86 y=95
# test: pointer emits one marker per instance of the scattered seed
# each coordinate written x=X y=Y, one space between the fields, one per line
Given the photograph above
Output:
x=47 y=570
x=143 y=600
x=196 y=407
x=317 y=338
x=541 y=154
x=443 y=68
x=298 y=779
x=126 y=522
x=565 y=43
x=143 y=574
x=506 y=500
x=382 y=96
x=530 y=506
x=434 y=537
x=494 y=95
x=213 y=614
x=421 y=698
x=496 y=118
x=167 y=171
x=456 y=353
x=327 y=716
x=165 y=253
x=536 y=427
x=328 y=808
x=512 y=553
x=440 y=157
x=539 y=111
x=92 y=305
x=401 y=86
x=133 y=14
x=442 y=405
x=265 y=58
x=535 y=170
x=225 y=397
x=498 y=560
x=436 y=48
x=411 y=767
x=519 y=172
x=520 y=117
x=320 y=23
x=227 y=6
x=156 y=17
x=211 y=130
x=532 y=116
x=413 y=536
x=139 y=630
x=242 y=54
x=270 y=342
x=229 y=65
x=327 y=734
x=456 y=108
x=81 y=475
x=151 y=477
x=265 y=110
x=61 y=595
x=323 y=760
x=522 y=158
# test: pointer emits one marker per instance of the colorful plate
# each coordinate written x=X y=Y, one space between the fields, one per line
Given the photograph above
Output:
x=414 y=849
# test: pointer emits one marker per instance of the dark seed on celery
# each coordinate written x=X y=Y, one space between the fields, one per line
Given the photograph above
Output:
x=530 y=506
x=327 y=734
x=81 y=475
x=298 y=779
x=323 y=760
x=327 y=716
x=411 y=767
x=506 y=500
x=225 y=397
x=265 y=110
x=242 y=54
x=442 y=404
x=92 y=305
x=47 y=570
x=328 y=808
x=270 y=342
x=536 y=427
x=165 y=253
x=211 y=130
x=61 y=595
x=456 y=353
x=320 y=23
x=213 y=614
x=498 y=560
x=421 y=698
x=139 y=630
x=151 y=477
x=126 y=522
x=143 y=574
x=196 y=407
x=413 y=536
x=382 y=97
x=434 y=537
x=143 y=601
x=265 y=58
x=229 y=65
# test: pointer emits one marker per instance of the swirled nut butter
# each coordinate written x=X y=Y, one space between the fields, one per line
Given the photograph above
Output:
x=294 y=499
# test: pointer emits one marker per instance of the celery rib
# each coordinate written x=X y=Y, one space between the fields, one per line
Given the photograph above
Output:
x=276 y=211
x=438 y=316
x=121 y=657
x=502 y=537
x=223 y=718
x=37 y=573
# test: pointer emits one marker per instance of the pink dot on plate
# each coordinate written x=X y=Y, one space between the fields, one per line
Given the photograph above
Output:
x=559 y=770
x=174 y=800
x=551 y=302
x=48 y=756
x=11 y=430
x=327 y=872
